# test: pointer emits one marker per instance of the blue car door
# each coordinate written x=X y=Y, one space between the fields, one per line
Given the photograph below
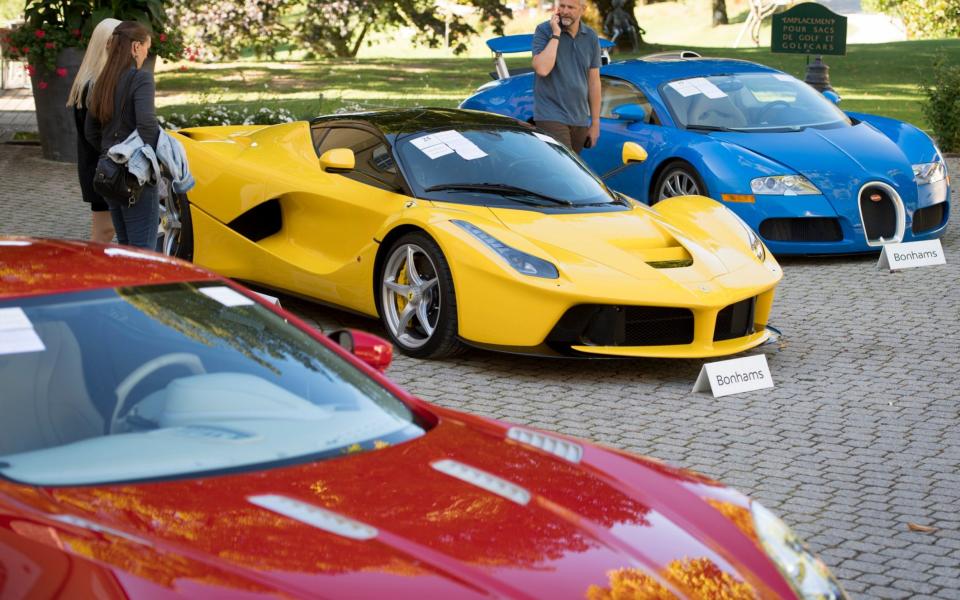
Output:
x=605 y=157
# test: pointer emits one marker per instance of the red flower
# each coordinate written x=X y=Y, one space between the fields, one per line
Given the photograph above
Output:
x=30 y=70
x=42 y=85
x=76 y=33
x=25 y=49
x=163 y=37
x=61 y=71
x=50 y=45
x=40 y=33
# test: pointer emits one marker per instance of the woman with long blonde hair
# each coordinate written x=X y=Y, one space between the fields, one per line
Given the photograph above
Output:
x=101 y=228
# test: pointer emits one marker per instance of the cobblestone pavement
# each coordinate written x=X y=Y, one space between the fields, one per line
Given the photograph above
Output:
x=859 y=438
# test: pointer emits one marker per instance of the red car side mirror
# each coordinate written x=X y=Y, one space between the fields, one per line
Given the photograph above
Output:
x=373 y=350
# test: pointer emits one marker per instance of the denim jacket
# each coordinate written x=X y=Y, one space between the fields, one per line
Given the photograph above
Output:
x=144 y=163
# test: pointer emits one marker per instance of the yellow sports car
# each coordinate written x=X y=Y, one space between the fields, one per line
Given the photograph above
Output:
x=458 y=227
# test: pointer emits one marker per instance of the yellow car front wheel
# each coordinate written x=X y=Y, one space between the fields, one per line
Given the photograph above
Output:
x=417 y=301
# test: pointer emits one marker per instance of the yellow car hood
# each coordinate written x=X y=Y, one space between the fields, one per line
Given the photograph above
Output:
x=638 y=243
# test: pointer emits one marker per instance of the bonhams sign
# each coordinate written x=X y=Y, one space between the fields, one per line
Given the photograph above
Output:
x=809 y=28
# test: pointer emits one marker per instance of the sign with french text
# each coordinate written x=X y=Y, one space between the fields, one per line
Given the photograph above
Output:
x=911 y=254
x=734 y=376
x=809 y=28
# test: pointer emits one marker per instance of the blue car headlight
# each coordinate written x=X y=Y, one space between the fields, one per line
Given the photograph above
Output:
x=808 y=576
x=783 y=185
x=521 y=261
x=931 y=172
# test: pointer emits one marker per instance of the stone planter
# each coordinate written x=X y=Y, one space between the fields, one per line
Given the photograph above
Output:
x=55 y=125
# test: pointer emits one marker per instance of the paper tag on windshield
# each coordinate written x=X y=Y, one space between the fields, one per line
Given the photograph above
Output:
x=685 y=87
x=17 y=334
x=436 y=151
x=439 y=144
x=546 y=138
x=708 y=88
x=226 y=296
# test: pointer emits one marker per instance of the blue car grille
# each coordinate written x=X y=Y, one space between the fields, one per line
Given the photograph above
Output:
x=929 y=217
x=879 y=213
x=801 y=229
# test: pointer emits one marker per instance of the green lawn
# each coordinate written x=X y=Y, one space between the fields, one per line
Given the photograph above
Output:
x=878 y=78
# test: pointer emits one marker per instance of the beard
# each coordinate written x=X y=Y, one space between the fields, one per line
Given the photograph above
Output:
x=566 y=21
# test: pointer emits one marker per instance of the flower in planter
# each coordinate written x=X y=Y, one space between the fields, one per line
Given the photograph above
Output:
x=50 y=45
x=40 y=34
x=61 y=71
x=31 y=70
x=42 y=85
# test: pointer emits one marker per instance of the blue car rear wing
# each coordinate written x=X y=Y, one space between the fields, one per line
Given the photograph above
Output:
x=513 y=44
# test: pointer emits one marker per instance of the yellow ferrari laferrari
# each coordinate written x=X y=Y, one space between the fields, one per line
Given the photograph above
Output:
x=465 y=228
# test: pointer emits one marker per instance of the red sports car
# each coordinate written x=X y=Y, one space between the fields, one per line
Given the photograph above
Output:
x=165 y=432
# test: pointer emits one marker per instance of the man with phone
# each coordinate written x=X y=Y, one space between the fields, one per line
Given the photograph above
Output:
x=566 y=89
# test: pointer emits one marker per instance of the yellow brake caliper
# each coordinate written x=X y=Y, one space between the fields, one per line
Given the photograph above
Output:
x=402 y=279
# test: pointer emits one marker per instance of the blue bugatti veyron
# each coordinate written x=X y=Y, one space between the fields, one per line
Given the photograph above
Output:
x=808 y=177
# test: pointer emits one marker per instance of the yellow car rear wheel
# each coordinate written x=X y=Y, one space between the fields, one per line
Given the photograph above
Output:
x=418 y=306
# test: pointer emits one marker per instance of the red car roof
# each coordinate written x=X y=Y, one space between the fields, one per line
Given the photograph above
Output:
x=30 y=267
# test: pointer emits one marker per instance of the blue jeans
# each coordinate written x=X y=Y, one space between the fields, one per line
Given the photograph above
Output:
x=137 y=225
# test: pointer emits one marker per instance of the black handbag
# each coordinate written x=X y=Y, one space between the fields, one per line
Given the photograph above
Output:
x=115 y=183
x=112 y=180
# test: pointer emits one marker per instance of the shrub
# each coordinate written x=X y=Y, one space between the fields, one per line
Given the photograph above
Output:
x=942 y=107
x=219 y=114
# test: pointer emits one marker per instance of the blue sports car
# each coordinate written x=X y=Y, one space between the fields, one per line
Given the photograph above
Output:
x=809 y=178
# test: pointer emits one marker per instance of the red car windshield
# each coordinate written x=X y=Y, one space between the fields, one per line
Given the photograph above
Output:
x=174 y=380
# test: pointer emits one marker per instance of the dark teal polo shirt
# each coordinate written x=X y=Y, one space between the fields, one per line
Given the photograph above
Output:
x=562 y=95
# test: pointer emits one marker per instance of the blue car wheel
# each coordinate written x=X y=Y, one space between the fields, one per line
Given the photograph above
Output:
x=677 y=179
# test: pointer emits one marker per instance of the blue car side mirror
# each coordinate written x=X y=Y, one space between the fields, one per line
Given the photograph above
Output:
x=630 y=112
x=832 y=96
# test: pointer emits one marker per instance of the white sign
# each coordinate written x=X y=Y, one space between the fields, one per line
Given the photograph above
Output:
x=440 y=144
x=734 y=376
x=17 y=334
x=912 y=254
x=226 y=296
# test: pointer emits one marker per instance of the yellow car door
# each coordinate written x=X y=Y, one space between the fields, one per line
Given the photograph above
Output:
x=330 y=227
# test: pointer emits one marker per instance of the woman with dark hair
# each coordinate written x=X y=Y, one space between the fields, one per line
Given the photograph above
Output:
x=123 y=102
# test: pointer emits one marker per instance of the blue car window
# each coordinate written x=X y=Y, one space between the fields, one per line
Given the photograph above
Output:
x=616 y=93
x=749 y=102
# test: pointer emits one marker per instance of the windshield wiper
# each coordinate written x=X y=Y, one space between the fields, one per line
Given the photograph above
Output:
x=698 y=127
x=497 y=188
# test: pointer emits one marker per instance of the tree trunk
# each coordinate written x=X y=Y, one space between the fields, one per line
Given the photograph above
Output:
x=720 y=13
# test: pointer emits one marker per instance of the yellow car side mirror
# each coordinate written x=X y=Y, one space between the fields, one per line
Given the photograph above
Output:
x=338 y=160
x=633 y=153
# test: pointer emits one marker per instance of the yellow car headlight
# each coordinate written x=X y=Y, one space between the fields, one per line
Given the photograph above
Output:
x=808 y=576
x=522 y=262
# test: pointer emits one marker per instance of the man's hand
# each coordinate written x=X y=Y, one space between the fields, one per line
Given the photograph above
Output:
x=555 y=23
x=594 y=133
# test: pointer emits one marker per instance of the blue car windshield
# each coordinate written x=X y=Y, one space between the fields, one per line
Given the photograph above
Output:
x=497 y=167
x=175 y=380
x=749 y=102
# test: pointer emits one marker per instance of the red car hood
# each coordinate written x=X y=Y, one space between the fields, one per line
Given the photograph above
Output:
x=606 y=524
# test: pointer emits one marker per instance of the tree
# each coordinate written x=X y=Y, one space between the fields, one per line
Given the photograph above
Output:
x=928 y=19
x=230 y=26
x=720 y=13
x=339 y=28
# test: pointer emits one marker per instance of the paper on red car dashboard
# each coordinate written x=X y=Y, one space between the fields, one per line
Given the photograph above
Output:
x=17 y=334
